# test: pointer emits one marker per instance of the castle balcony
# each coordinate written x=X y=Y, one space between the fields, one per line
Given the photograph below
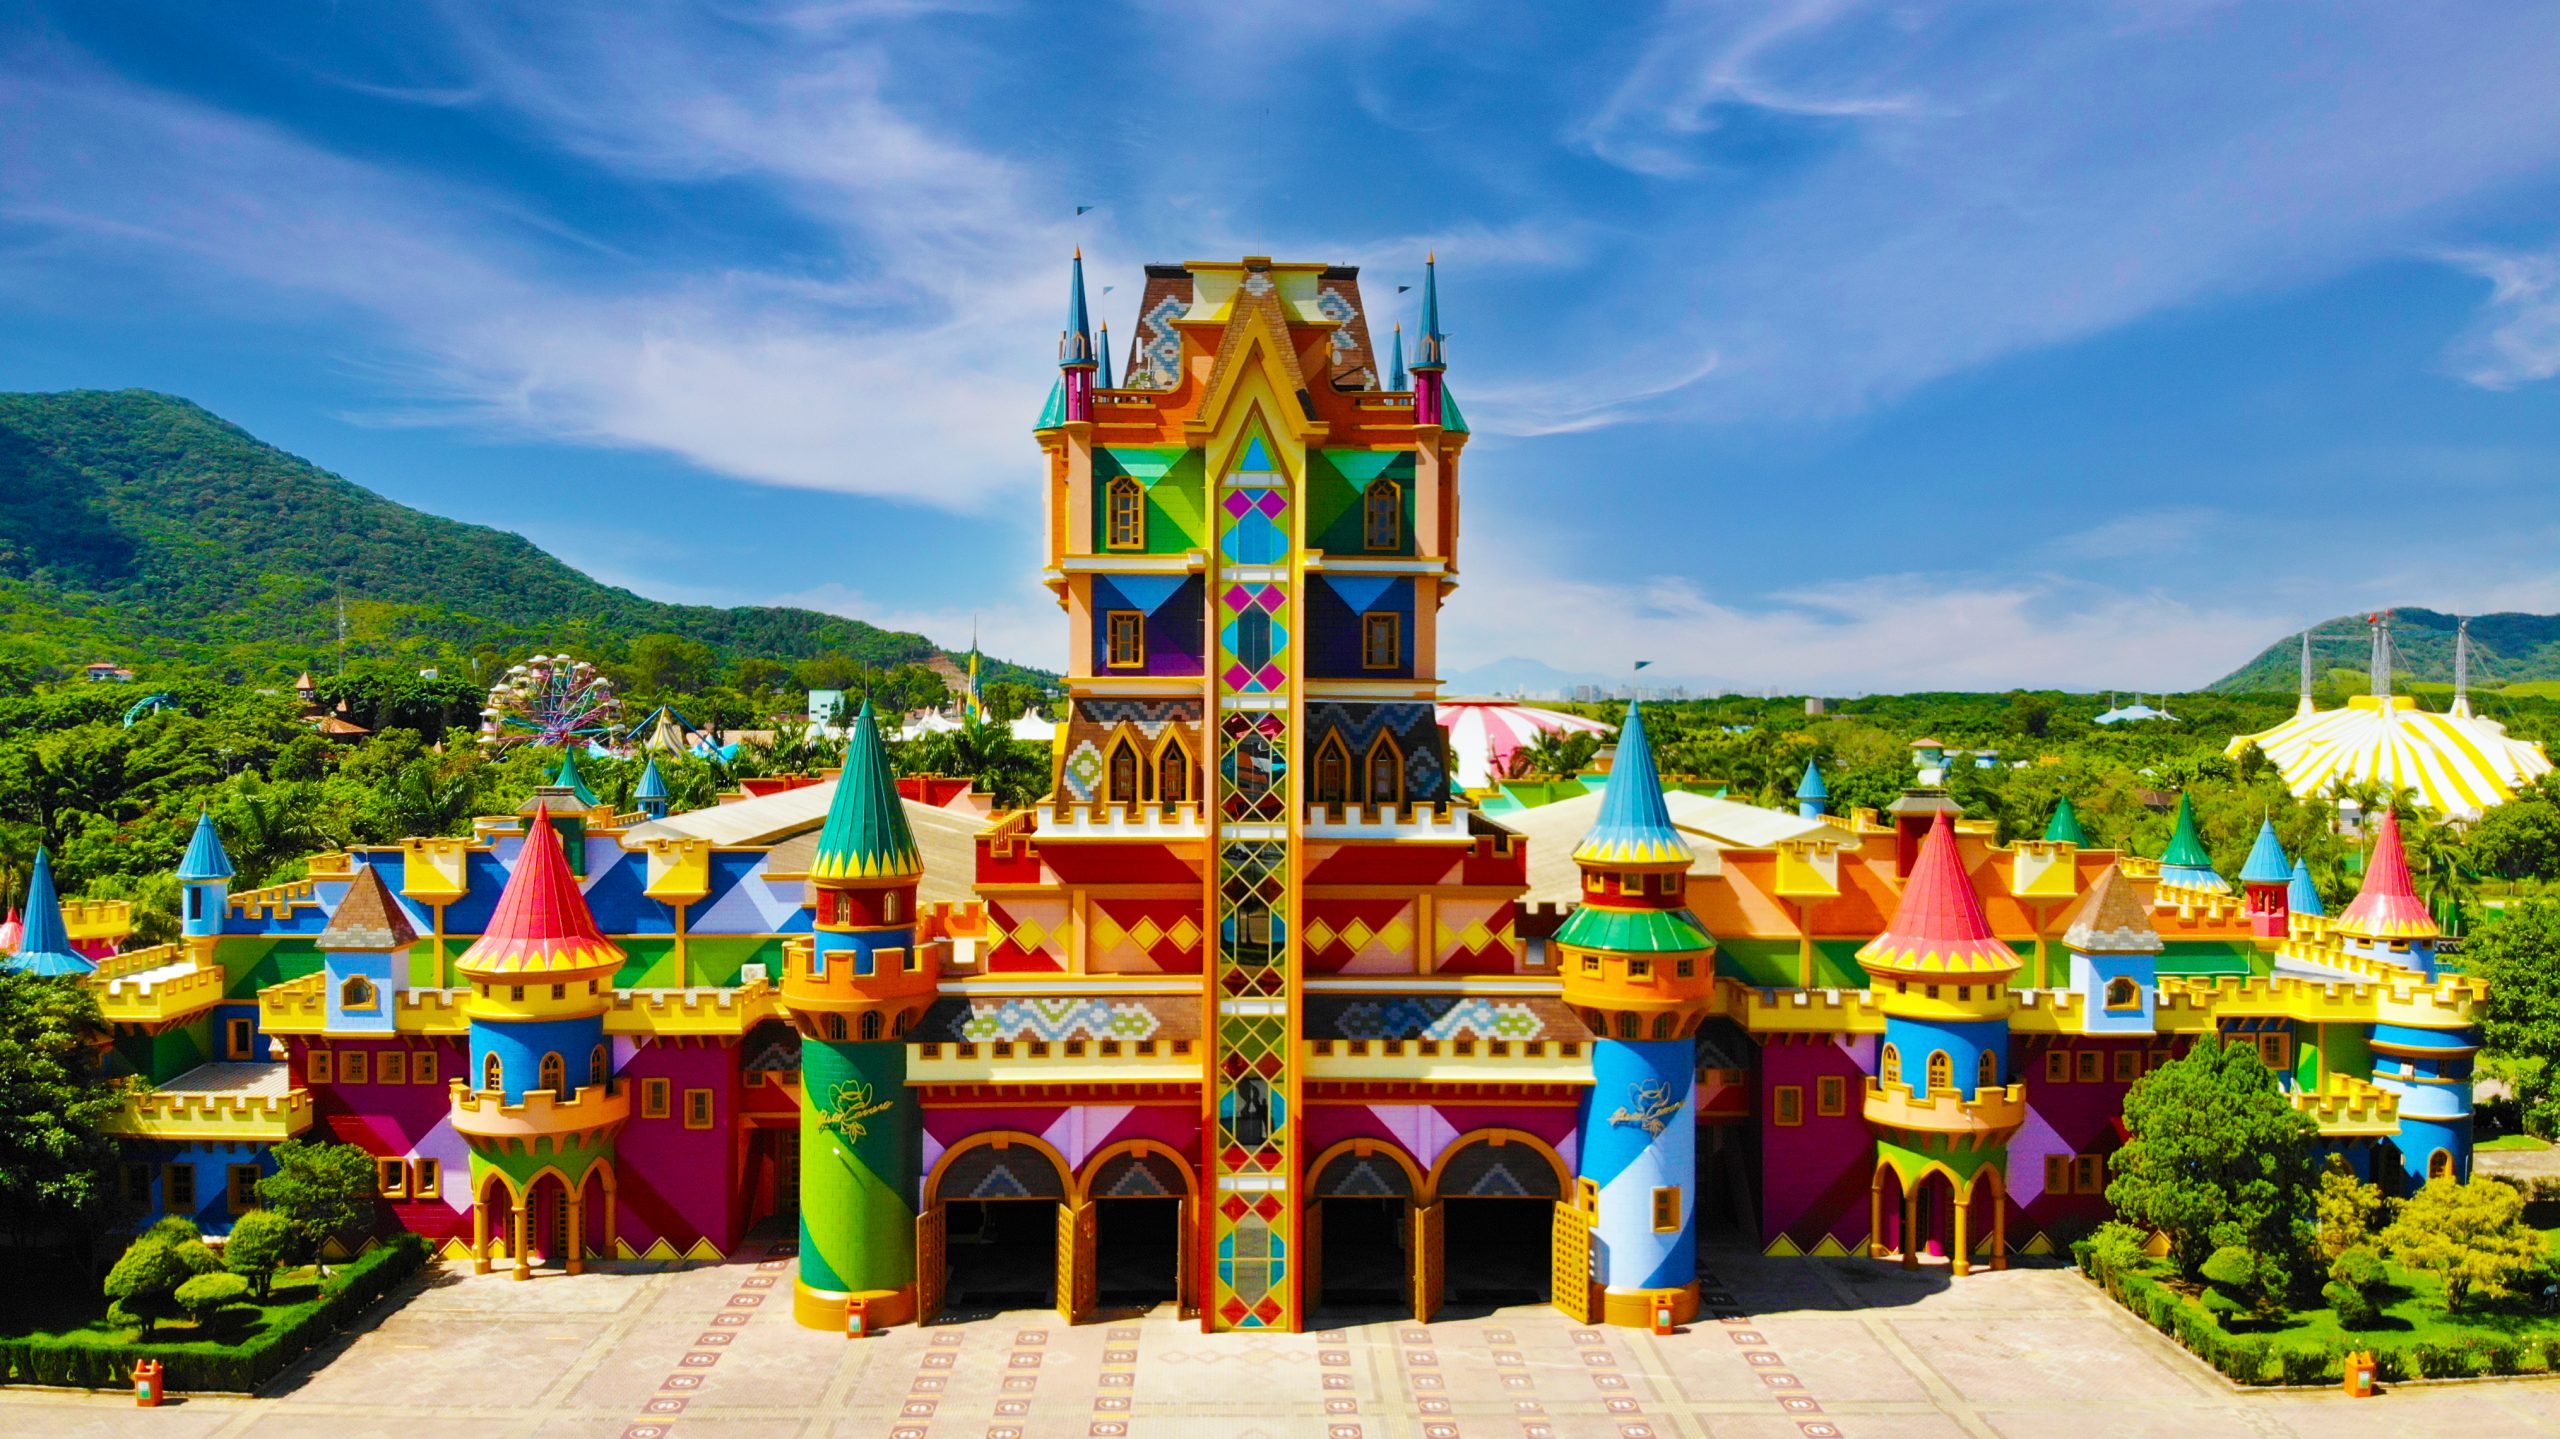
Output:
x=251 y=1103
x=700 y=1013
x=1643 y=987
x=436 y=869
x=485 y=1118
x=301 y=1006
x=2348 y=1107
x=155 y=988
x=1972 y=1119
x=2044 y=869
x=679 y=868
x=97 y=921
x=837 y=1003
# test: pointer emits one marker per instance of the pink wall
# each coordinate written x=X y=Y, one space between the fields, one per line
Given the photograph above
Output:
x=400 y=1121
x=1425 y=1131
x=1815 y=1176
x=1077 y=1131
x=682 y=1184
x=2064 y=1118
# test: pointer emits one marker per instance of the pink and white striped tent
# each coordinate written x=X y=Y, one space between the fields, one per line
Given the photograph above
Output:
x=1483 y=735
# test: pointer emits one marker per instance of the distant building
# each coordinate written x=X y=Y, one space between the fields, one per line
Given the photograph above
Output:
x=108 y=672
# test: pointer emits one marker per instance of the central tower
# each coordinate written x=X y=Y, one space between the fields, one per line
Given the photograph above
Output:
x=1251 y=536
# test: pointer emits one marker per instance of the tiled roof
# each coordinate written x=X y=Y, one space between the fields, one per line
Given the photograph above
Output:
x=368 y=918
x=2114 y=919
x=1634 y=826
x=2387 y=907
x=1939 y=925
x=866 y=834
x=542 y=924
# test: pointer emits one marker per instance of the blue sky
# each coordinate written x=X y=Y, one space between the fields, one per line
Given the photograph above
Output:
x=1813 y=345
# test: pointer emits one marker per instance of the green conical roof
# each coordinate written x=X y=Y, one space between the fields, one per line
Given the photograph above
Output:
x=2064 y=827
x=569 y=779
x=866 y=835
x=2186 y=861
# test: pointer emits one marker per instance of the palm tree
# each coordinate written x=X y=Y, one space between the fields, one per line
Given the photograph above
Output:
x=1555 y=754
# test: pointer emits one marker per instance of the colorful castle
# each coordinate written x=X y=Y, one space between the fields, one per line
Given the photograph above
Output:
x=1254 y=1014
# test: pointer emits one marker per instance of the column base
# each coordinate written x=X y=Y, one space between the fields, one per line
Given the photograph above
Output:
x=1633 y=1308
x=825 y=1308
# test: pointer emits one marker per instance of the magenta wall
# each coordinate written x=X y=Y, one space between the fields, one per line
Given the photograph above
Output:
x=681 y=1184
x=400 y=1121
x=1077 y=1131
x=2065 y=1118
x=1815 y=1176
x=1425 y=1131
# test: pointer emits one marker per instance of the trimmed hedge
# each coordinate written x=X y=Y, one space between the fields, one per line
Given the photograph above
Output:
x=203 y=1365
x=2247 y=1359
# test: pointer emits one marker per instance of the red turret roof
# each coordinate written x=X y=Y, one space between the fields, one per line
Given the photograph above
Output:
x=542 y=925
x=1939 y=926
x=2388 y=906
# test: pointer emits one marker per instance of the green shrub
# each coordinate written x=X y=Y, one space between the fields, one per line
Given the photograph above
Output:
x=2115 y=1245
x=2390 y=1365
x=2500 y=1356
x=209 y=1294
x=2441 y=1360
x=2310 y=1366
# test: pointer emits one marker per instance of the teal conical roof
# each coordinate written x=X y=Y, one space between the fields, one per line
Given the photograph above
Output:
x=652 y=786
x=1102 y=353
x=2064 y=827
x=1634 y=825
x=866 y=836
x=1811 y=786
x=2301 y=896
x=569 y=779
x=1054 y=412
x=1450 y=418
x=1395 y=368
x=2267 y=862
x=205 y=858
x=2186 y=861
x=1075 y=347
x=46 y=946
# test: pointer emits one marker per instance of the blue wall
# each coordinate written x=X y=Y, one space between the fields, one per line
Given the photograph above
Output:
x=521 y=1046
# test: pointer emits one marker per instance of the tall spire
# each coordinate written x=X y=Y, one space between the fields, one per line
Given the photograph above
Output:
x=45 y=947
x=1076 y=360
x=1939 y=925
x=2381 y=623
x=2186 y=861
x=2461 y=668
x=542 y=924
x=866 y=834
x=2305 y=706
x=1431 y=352
x=1102 y=353
x=1634 y=826
x=1395 y=368
x=205 y=858
x=2387 y=906
x=2301 y=896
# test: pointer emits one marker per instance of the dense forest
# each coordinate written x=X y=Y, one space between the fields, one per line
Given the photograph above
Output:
x=2506 y=649
x=138 y=528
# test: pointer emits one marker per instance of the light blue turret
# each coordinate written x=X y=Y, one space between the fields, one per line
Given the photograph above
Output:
x=651 y=794
x=1813 y=797
x=2115 y=957
x=45 y=948
x=204 y=882
x=2301 y=896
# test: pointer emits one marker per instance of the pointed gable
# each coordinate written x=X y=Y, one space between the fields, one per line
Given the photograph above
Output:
x=2115 y=919
x=542 y=924
x=368 y=919
x=1634 y=826
x=1939 y=926
x=205 y=858
x=2387 y=906
x=866 y=834
x=45 y=946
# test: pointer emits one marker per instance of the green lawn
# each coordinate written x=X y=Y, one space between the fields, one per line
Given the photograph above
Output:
x=2511 y=1143
x=57 y=1298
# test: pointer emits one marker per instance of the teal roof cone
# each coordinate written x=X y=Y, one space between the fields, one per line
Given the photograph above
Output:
x=205 y=858
x=2301 y=896
x=45 y=948
x=569 y=779
x=653 y=785
x=2267 y=862
x=2064 y=827
x=1075 y=346
x=2186 y=861
x=866 y=834
x=1395 y=367
x=1431 y=352
x=1811 y=786
x=1102 y=352
x=1634 y=826
x=1451 y=418
x=1053 y=413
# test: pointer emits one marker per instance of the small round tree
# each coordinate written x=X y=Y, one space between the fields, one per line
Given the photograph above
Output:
x=207 y=1295
x=143 y=1285
x=2218 y=1158
x=2471 y=1235
x=260 y=1243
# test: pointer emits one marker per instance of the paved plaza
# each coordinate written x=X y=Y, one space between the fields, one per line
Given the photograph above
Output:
x=1814 y=1348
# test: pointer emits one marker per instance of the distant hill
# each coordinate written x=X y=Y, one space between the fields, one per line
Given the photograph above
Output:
x=139 y=527
x=2506 y=649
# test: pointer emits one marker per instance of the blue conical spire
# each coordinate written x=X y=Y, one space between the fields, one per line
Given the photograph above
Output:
x=1811 y=786
x=46 y=946
x=2301 y=896
x=205 y=858
x=1431 y=353
x=1075 y=343
x=653 y=785
x=1634 y=826
x=2267 y=863
x=1395 y=367
x=1102 y=352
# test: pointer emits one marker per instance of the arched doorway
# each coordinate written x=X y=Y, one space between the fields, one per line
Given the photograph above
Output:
x=1496 y=1191
x=998 y=1201
x=547 y=1214
x=1929 y=1214
x=496 y=1225
x=1885 y=1213
x=1142 y=1196
x=1982 y=1222
x=1357 y=1235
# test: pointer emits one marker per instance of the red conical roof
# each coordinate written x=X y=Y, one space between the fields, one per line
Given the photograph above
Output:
x=542 y=925
x=2388 y=906
x=1939 y=926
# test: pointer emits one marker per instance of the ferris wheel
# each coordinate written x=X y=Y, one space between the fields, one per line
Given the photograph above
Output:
x=551 y=700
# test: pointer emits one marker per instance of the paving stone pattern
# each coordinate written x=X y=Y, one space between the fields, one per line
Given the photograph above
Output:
x=1787 y=1349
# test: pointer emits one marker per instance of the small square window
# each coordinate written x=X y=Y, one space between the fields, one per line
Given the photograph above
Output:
x=656 y=1098
x=2089 y=1174
x=1125 y=639
x=422 y=1067
x=353 y=1066
x=320 y=1068
x=697 y=1109
x=1831 y=1096
x=178 y=1188
x=426 y=1178
x=238 y=1037
x=394 y=1068
x=391 y=1178
x=134 y=1183
x=240 y=1188
x=2089 y=1066
x=1787 y=1102
x=1666 y=1209
x=1639 y=969
x=1686 y=967
x=2057 y=1066
x=2127 y=1065
x=1381 y=641
x=2057 y=1174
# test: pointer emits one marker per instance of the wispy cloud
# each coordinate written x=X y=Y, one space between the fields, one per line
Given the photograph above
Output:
x=2517 y=339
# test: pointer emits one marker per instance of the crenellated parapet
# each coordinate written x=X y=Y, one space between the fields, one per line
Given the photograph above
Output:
x=831 y=996
x=212 y=1115
x=494 y=1124
x=701 y=1013
x=97 y=921
x=2348 y=1107
x=155 y=988
x=1967 y=1119
x=301 y=1007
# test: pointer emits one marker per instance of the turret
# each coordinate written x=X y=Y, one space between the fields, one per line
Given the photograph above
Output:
x=2429 y=1065
x=2301 y=896
x=2387 y=921
x=567 y=778
x=1431 y=352
x=364 y=954
x=1102 y=355
x=2186 y=862
x=44 y=947
x=2461 y=670
x=2064 y=827
x=1943 y=1101
x=1395 y=367
x=1076 y=360
x=204 y=882
x=541 y=1093
x=651 y=793
x=854 y=988
x=1640 y=970
x=2115 y=957
x=1813 y=797
x=2266 y=877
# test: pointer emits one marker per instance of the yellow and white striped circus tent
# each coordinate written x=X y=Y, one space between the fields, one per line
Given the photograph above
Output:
x=2458 y=764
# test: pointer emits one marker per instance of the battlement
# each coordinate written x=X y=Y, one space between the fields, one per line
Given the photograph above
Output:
x=1982 y=1117
x=156 y=987
x=2195 y=1003
x=840 y=1004
x=212 y=1115
x=97 y=921
x=136 y=961
x=696 y=1012
x=276 y=901
x=2198 y=906
x=301 y=1006
x=484 y=1117
x=2349 y=1106
x=2048 y=1011
x=1803 y=1011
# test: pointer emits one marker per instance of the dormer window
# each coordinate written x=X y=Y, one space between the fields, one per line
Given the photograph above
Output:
x=358 y=995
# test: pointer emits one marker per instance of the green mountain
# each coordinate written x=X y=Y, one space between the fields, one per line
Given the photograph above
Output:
x=2506 y=649
x=140 y=528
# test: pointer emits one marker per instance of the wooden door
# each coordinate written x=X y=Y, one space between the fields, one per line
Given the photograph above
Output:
x=1311 y=1258
x=1574 y=1291
x=1429 y=1254
x=1077 y=1231
x=1186 y=1263
x=933 y=1263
